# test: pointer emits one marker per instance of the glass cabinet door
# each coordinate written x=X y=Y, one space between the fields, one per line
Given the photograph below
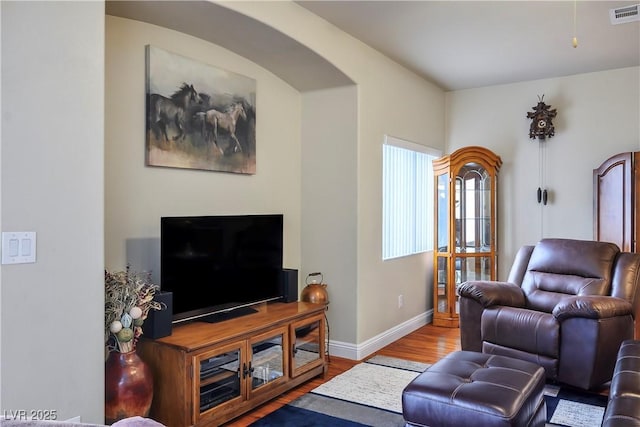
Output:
x=441 y=293
x=442 y=213
x=473 y=209
x=219 y=375
x=268 y=361
x=472 y=225
x=442 y=288
x=308 y=347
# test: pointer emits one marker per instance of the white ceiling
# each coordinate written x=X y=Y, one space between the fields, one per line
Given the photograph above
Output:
x=455 y=44
x=466 y=44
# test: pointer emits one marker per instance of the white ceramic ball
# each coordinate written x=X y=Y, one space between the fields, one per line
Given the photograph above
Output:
x=115 y=326
x=135 y=312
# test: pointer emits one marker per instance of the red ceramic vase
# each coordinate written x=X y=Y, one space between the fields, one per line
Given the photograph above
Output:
x=128 y=387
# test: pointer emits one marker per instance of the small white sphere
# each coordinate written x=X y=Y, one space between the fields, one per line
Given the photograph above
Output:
x=135 y=312
x=115 y=326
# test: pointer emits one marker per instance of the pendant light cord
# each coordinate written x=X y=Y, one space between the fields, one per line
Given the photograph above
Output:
x=574 y=42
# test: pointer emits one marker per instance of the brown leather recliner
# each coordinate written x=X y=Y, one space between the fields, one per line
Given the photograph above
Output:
x=567 y=305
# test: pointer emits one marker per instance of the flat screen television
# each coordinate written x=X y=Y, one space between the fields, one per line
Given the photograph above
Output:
x=218 y=266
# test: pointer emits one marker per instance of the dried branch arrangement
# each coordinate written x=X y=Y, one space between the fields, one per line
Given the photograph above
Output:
x=127 y=301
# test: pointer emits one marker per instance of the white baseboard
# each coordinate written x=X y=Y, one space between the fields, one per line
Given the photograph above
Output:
x=362 y=350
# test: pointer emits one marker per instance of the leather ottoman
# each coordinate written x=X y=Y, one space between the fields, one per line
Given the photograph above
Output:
x=476 y=389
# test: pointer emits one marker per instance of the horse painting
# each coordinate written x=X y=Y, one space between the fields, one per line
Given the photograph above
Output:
x=207 y=123
x=213 y=120
x=165 y=112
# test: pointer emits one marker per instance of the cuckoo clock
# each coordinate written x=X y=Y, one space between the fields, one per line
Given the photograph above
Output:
x=541 y=116
x=541 y=128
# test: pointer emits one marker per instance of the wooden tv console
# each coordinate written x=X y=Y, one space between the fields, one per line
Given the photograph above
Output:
x=206 y=374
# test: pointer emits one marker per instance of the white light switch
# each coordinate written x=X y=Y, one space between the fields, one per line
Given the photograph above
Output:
x=13 y=247
x=25 y=247
x=18 y=247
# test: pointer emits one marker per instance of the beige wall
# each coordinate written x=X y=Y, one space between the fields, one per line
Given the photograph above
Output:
x=390 y=100
x=52 y=183
x=387 y=100
x=598 y=115
x=329 y=203
x=136 y=196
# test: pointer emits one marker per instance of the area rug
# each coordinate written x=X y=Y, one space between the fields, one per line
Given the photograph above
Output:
x=567 y=407
x=369 y=394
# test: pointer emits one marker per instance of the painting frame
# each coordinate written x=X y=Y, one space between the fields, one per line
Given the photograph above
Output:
x=198 y=116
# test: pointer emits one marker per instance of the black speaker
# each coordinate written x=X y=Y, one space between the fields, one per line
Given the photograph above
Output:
x=158 y=322
x=289 y=283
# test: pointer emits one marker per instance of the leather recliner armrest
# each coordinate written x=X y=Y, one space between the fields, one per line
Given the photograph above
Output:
x=591 y=307
x=490 y=293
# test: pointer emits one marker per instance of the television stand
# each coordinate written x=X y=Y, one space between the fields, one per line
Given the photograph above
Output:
x=206 y=374
x=227 y=315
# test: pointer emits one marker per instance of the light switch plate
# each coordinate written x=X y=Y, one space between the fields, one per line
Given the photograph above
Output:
x=18 y=247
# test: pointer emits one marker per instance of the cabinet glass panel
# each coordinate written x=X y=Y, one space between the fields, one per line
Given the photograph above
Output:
x=219 y=379
x=306 y=348
x=267 y=361
x=472 y=209
x=473 y=268
x=442 y=201
x=442 y=303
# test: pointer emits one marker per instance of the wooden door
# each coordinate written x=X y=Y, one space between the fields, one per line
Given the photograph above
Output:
x=615 y=184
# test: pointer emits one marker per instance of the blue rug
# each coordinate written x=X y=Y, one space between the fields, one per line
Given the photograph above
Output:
x=291 y=416
x=312 y=410
x=358 y=398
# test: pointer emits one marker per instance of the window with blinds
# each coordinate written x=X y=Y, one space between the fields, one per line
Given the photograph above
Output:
x=407 y=198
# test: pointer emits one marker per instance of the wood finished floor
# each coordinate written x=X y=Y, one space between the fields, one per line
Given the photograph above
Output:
x=427 y=344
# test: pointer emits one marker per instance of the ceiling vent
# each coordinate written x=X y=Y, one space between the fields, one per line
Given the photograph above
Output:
x=625 y=14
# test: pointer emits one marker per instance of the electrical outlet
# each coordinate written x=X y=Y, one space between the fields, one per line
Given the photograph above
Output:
x=400 y=301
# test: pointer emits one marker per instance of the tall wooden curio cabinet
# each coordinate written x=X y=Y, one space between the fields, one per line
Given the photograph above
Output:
x=465 y=249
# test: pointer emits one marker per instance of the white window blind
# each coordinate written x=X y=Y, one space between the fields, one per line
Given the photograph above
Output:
x=407 y=198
